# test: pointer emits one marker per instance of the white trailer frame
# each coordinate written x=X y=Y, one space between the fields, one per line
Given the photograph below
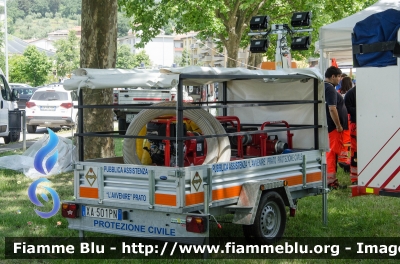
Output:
x=154 y=201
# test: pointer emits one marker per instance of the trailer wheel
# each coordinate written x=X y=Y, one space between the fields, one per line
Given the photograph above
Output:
x=270 y=221
x=7 y=139
x=12 y=137
x=121 y=125
x=31 y=129
x=15 y=136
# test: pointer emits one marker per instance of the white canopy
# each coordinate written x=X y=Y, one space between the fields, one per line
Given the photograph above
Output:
x=335 y=38
x=167 y=78
x=242 y=85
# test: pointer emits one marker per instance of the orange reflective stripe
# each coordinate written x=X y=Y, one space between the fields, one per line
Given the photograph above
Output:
x=226 y=193
x=219 y=194
x=296 y=180
x=165 y=199
x=87 y=192
x=232 y=192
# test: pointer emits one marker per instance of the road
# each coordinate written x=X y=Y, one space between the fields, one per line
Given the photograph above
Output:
x=32 y=138
x=39 y=133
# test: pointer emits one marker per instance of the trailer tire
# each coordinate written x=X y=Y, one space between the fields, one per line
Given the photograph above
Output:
x=122 y=126
x=31 y=129
x=7 y=139
x=12 y=137
x=270 y=221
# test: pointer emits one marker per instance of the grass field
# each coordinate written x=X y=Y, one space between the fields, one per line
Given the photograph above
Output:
x=365 y=216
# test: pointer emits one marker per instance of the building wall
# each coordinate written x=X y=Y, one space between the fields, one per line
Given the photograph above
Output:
x=44 y=44
x=163 y=49
x=160 y=49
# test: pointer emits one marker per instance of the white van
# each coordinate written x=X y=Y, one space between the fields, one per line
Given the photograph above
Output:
x=10 y=117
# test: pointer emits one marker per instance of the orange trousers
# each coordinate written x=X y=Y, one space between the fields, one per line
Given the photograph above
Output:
x=353 y=153
x=335 y=143
x=344 y=153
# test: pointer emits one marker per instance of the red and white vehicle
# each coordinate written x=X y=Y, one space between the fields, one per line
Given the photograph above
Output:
x=378 y=130
x=140 y=97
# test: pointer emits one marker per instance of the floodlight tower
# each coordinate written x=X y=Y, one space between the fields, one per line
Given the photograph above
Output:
x=282 y=52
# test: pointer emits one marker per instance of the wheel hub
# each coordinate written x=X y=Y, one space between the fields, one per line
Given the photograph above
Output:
x=270 y=220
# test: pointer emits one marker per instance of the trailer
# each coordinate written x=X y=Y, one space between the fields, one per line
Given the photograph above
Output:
x=378 y=122
x=262 y=154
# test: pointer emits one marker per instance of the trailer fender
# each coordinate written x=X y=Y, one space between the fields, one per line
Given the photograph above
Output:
x=249 y=199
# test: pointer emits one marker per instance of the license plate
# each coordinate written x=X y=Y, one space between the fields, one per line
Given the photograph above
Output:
x=99 y=212
x=129 y=117
x=47 y=108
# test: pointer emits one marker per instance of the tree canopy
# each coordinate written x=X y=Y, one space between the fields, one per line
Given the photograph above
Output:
x=184 y=60
x=141 y=58
x=35 y=66
x=125 y=59
x=22 y=8
x=227 y=21
x=67 y=54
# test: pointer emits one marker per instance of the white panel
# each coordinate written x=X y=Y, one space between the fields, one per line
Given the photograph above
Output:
x=378 y=121
x=293 y=114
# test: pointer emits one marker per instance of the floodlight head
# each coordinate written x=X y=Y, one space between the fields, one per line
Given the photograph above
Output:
x=301 y=19
x=259 y=46
x=301 y=43
x=259 y=22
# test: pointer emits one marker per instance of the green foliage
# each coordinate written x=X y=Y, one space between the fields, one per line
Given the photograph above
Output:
x=16 y=65
x=70 y=7
x=36 y=66
x=125 y=59
x=141 y=57
x=122 y=25
x=2 y=61
x=29 y=11
x=45 y=16
x=40 y=6
x=67 y=54
x=185 y=60
x=228 y=20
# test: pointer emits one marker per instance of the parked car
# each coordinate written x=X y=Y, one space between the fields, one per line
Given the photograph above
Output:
x=51 y=106
x=25 y=93
x=15 y=85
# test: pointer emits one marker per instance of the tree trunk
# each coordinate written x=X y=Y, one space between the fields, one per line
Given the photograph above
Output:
x=98 y=50
x=232 y=49
x=254 y=61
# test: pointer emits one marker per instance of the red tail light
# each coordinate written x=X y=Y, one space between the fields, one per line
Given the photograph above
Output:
x=66 y=105
x=69 y=210
x=196 y=224
x=30 y=104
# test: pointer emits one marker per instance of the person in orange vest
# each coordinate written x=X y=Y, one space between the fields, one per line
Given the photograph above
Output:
x=337 y=119
x=350 y=102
